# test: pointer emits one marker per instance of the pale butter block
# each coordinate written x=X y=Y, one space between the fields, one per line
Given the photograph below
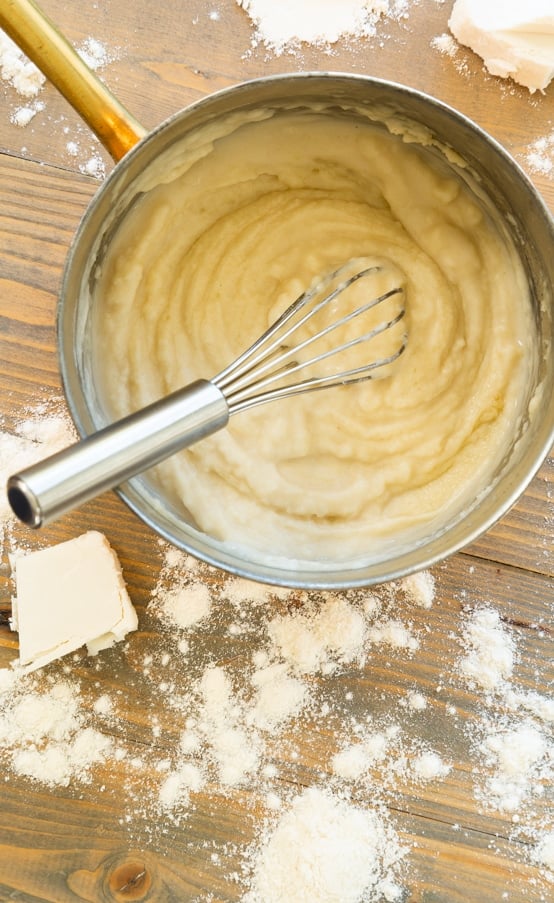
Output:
x=67 y=596
x=514 y=39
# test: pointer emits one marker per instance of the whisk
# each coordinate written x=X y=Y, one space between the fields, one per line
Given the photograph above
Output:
x=265 y=372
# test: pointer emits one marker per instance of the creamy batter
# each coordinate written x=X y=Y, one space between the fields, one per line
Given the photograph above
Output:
x=229 y=237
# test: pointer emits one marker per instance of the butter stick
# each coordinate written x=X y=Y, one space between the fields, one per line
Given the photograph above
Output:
x=67 y=596
x=515 y=40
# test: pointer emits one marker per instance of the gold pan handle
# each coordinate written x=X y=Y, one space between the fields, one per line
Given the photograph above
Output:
x=41 y=41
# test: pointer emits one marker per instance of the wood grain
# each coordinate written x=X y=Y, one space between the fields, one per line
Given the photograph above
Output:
x=105 y=841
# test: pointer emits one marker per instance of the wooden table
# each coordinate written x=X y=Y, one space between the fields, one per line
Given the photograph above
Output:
x=87 y=841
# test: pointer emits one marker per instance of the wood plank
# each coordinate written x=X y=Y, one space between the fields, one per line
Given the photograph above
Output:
x=529 y=526
x=426 y=814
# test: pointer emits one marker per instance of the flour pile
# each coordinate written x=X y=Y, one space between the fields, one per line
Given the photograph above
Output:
x=290 y=23
x=327 y=850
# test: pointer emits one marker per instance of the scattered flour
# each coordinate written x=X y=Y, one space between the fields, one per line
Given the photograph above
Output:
x=512 y=740
x=535 y=704
x=416 y=701
x=23 y=115
x=94 y=166
x=539 y=157
x=387 y=759
x=445 y=44
x=279 y=696
x=544 y=852
x=178 y=786
x=240 y=591
x=21 y=75
x=449 y=47
x=240 y=670
x=351 y=763
x=103 y=705
x=95 y=54
x=189 y=604
x=520 y=760
x=45 y=735
x=420 y=588
x=17 y=71
x=308 y=642
x=45 y=429
x=214 y=732
x=393 y=633
x=489 y=658
x=429 y=765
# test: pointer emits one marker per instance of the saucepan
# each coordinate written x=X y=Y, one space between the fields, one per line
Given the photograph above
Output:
x=463 y=143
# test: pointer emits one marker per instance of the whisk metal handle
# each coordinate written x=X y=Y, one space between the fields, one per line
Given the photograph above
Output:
x=102 y=461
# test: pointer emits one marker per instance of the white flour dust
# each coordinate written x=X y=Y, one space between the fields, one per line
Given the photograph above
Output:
x=26 y=83
x=539 y=156
x=513 y=738
x=235 y=676
x=17 y=71
x=489 y=655
x=44 y=429
x=448 y=46
x=45 y=734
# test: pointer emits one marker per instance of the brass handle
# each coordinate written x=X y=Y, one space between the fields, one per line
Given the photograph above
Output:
x=41 y=41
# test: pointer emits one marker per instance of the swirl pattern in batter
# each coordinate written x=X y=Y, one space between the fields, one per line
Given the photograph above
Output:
x=220 y=246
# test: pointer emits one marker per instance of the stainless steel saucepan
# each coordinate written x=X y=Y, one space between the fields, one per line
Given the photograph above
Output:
x=510 y=192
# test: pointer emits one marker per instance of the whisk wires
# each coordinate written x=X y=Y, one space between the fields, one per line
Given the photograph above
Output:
x=251 y=379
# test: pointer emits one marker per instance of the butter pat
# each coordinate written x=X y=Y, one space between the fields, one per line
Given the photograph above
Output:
x=514 y=39
x=67 y=596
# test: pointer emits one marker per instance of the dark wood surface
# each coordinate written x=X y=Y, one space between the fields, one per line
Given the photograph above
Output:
x=75 y=843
